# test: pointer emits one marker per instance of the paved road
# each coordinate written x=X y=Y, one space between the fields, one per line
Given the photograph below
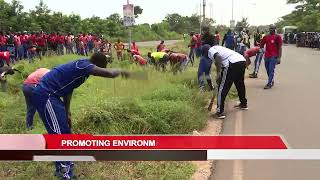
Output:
x=155 y=43
x=290 y=109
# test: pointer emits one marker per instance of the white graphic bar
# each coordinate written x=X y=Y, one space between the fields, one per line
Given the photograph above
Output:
x=248 y=154
x=63 y=158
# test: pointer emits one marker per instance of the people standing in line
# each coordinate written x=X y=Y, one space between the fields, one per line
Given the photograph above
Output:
x=231 y=67
x=273 y=53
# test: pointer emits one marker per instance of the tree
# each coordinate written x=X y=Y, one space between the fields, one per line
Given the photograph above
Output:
x=243 y=24
x=137 y=11
x=306 y=15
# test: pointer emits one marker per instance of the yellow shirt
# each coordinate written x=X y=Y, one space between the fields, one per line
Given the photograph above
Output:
x=158 y=55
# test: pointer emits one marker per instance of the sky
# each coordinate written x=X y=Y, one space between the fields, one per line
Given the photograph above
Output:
x=259 y=12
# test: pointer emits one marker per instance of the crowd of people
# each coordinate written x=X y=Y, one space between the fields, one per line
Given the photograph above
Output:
x=50 y=94
x=19 y=46
x=307 y=39
x=232 y=57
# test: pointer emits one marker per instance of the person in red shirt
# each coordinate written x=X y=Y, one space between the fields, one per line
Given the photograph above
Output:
x=178 y=61
x=134 y=47
x=18 y=44
x=3 y=42
x=161 y=46
x=24 y=41
x=41 y=43
x=273 y=53
x=192 y=46
x=28 y=86
x=60 y=43
x=140 y=60
x=258 y=52
x=4 y=56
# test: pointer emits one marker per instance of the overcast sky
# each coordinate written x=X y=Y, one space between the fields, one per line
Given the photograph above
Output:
x=258 y=11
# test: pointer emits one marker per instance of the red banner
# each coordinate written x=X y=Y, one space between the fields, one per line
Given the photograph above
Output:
x=89 y=142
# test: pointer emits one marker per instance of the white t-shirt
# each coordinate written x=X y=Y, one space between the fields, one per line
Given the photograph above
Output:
x=227 y=55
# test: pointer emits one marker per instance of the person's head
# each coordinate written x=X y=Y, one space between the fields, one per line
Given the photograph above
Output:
x=99 y=59
x=149 y=54
x=217 y=32
x=191 y=33
x=272 y=29
x=134 y=43
x=229 y=31
x=119 y=40
x=162 y=42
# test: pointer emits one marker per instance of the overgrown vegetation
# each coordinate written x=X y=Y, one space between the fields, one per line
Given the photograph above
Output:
x=165 y=104
x=306 y=16
x=14 y=18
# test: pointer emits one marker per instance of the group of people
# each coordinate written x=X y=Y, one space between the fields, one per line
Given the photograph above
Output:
x=231 y=63
x=49 y=92
x=18 y=46
x=307 y=39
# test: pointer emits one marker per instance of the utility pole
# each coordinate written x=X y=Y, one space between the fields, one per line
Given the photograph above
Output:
x=204 y=10
x=200 y=17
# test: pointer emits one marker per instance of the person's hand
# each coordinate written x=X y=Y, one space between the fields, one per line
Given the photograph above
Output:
x=2 y=76
x=125 y=74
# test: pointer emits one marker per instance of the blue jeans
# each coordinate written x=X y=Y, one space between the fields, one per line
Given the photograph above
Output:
x=204 y=71
x=31 y=110
x=257 y=62
x=270 y=64
x=20 y=52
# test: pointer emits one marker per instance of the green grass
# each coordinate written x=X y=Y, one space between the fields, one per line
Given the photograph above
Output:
x=164 y=104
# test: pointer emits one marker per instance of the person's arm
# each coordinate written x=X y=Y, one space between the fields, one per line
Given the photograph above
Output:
x=97 y=71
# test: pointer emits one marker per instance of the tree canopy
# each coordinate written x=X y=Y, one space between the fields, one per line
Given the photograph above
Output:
x=306 y=15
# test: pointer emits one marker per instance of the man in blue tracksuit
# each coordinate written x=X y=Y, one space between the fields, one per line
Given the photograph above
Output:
x=60 y=83
x=205 y=68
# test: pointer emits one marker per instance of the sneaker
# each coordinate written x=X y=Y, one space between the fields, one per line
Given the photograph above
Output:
x=268 y=86
x=253 y=75
x=219 y=116
x=241 y=106
x=272 y=84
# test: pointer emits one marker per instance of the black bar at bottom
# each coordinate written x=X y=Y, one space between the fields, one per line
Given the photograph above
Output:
x=101 y=155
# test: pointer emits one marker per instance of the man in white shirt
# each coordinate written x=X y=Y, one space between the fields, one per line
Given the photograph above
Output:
x=231 y=68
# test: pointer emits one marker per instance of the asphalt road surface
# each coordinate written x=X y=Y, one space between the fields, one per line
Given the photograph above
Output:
x=290 y=109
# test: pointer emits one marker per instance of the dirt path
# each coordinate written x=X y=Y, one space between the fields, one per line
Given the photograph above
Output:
x=206 y=169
